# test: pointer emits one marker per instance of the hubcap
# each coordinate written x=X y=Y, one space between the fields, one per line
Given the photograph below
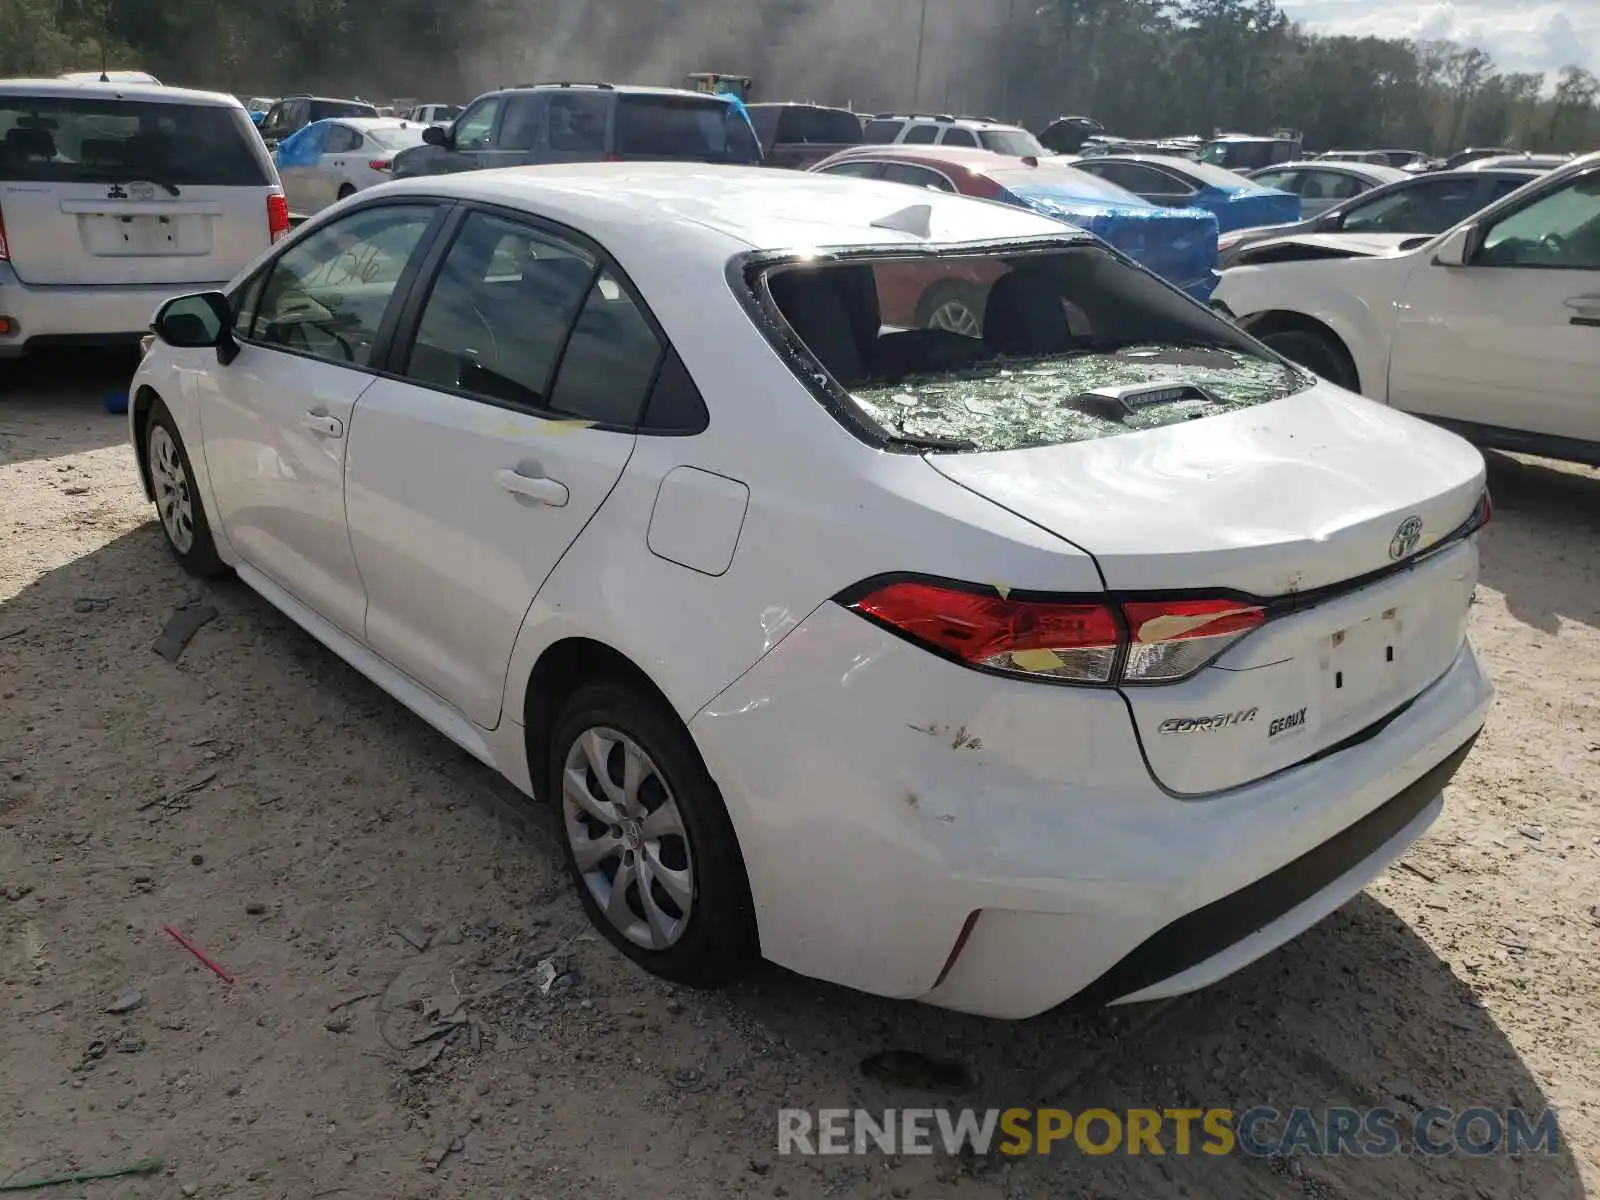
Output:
x=172 y=490
x=955 y=317
x=627 y=836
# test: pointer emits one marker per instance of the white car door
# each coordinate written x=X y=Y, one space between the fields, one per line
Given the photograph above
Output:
x=470 y=477
x=338 y=151
x=276 y=424
x=1511 y=339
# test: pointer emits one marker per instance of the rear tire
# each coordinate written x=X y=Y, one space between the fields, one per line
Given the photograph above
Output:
x=955 y=307
x=346 y=191
x=183 y=516
x=657 y=822
x=1317 y=352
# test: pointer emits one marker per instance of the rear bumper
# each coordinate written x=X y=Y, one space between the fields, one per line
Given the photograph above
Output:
x=44 y=315
x=917 y=830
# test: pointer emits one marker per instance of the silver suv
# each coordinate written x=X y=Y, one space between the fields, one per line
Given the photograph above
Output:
x=115 y=197
x=942 y=129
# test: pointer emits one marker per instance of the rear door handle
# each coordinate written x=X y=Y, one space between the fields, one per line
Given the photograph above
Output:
x=1587 y=309
x=321 y=423
x=535 y=487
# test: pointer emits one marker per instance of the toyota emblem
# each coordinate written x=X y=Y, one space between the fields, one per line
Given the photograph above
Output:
x=1405 y=538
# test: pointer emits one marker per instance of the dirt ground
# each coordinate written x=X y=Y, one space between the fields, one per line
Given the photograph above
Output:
x=326 y=827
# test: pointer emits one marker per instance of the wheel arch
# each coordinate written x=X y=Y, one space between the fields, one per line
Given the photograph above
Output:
x=144 y=400
x=561 y=669
x=1280 y=320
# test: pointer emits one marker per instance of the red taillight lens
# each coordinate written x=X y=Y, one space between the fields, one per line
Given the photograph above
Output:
x=1172 y=639
x=5 y=248
x=613 y=158
x=1073 y=642
x=1480 y=518
x=277 y=216
x=380 y=164
x=1149 y=641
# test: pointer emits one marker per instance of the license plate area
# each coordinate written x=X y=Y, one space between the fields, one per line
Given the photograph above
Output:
x=119 y=235
x=1361 y=665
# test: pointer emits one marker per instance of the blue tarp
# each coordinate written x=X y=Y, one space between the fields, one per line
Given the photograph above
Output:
x=1178 y=244
x=1240 y=203
x=303 y=148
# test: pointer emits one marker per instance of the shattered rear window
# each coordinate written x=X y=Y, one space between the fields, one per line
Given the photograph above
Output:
x=985 y=352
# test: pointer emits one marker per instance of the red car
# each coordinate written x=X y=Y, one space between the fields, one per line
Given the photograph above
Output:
x=1179 y=244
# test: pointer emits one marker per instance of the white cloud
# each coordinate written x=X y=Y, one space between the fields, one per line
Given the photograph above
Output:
x=1520 y=35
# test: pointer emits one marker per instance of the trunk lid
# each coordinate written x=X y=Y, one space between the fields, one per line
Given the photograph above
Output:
x=1290 y=501
x=90 y=234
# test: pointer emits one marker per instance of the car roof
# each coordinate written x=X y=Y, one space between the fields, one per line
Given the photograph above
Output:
x=715 y=212
x=971 y=157
x=66 y=88
x=620 y=89
x=1249 y=137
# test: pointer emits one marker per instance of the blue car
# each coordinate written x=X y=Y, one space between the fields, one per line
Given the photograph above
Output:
x=1237 y=202
x=1178 y=244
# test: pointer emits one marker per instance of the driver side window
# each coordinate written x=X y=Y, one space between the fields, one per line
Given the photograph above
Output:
x=1560 y=230
x=476 y=124
x=326 y=296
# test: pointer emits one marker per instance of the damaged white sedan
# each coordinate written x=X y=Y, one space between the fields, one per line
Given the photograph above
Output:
x=1087 y=655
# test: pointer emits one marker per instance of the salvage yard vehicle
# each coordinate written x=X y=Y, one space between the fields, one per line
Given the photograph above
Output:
x=988 y=671
x=798 y=135
x=943 y=129
x=1491 y=328
x=115 y=197
x=1417 y=204
x=329 y=160
x=293 y=113
x=1180 y=245
x=584 y=122
x=1321 y=185
x=1161 y=179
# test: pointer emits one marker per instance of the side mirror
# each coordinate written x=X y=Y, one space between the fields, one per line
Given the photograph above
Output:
x=197 y=321
x=1330 y=222
x=436 y=135
x=1457 y=248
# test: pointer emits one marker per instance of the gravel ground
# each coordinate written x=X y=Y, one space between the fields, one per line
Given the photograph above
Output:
x=328 y=830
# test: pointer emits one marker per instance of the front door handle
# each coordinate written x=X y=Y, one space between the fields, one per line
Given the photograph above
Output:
x=322 y=423
x=535 y=487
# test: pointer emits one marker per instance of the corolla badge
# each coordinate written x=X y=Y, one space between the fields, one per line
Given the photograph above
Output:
x=1405 y=538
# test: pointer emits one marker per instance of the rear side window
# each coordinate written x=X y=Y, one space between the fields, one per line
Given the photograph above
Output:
x=881 y=133
x=921 y=135
x=684 y=127
x=106 y=140
x=610 y=359
x=1002 y=351
x=823 y=126
x=499 y=312
x=577 y=123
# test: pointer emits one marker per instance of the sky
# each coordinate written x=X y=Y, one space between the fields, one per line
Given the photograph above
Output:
x=1520 y=35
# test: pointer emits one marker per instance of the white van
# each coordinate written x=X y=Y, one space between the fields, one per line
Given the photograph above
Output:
x=115 y=197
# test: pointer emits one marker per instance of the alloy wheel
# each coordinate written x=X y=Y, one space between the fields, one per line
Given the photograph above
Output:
x=955 y=316
x=627 y=837
x=171 y=482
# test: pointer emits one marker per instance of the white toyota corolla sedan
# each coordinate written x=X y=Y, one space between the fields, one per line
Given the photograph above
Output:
x=1090 y=657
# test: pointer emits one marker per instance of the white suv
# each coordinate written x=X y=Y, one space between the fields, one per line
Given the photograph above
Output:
x=114 y=197
x=942 y=129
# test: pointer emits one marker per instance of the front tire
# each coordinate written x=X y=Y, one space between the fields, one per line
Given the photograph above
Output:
x=183 y=517
x=647 y=838
x=1316 y=352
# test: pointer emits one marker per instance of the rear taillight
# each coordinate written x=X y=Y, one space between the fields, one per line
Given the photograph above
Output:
x=1147 y=641
x=277 y=215
x=380 y=164
x=1480 y=517
x=613 y=158
x=5 y=248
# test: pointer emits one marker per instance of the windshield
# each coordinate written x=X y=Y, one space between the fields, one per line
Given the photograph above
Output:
x=1011 y=141
x=110 y=140
x=996 y=352
x=684 y=127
